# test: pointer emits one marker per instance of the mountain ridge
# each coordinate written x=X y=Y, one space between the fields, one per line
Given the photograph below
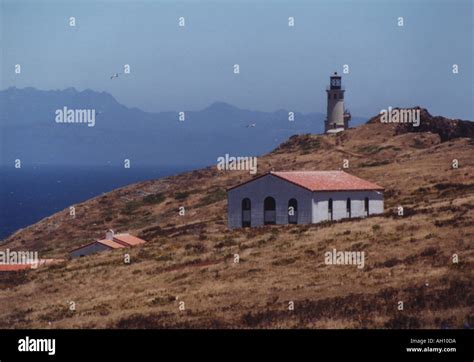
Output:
x=30 y=132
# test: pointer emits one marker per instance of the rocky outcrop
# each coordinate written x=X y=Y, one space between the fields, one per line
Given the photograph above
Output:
x=446 y=128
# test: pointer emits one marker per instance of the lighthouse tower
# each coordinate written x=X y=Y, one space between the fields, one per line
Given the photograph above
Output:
x=337 y=118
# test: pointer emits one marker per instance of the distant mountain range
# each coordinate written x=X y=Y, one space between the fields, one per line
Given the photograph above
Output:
x=29 y=131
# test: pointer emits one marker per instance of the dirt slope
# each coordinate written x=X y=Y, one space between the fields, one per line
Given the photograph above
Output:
x=190 y=258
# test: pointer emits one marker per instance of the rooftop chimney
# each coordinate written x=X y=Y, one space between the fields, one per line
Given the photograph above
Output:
x=109 y=235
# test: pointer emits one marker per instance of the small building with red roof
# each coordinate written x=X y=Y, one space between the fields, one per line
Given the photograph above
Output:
x=112 y=241
x=302 y=197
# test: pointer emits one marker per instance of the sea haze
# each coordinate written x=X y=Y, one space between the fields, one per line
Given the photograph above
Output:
x=31 y=193
x=31 y=133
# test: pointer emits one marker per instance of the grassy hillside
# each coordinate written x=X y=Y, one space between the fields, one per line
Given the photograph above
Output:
x=190 y=258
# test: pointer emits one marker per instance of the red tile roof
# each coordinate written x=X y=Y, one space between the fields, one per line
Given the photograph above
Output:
x=128 y=240
x=14 y=267
x=322 y=180
x=39 y=263
x=111 y=244
x=119 y=241
x=327 y=180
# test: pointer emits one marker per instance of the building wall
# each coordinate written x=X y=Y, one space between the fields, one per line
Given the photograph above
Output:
x=269 y=185
x=89 y=249
x=321 y=200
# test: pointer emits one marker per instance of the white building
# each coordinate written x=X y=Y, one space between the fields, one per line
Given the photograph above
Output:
x=302 y=197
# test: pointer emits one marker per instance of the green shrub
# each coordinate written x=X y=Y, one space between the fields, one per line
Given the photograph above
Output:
x=154 y=199
x=376 y=227
x=181 y=195
x=369 y=149
x=375 y=163
x=130 y=207
x=213 y=196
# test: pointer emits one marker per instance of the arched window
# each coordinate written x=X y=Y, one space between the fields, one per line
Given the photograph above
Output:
x=269 y=211
x=366 y=206
x=348 y=207
x=292 y=211
x=330 y=214
x=246 y=212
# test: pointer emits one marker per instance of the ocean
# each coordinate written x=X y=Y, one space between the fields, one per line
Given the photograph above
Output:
x=29 y=194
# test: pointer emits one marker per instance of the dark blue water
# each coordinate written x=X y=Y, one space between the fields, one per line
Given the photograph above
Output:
x=31 y=193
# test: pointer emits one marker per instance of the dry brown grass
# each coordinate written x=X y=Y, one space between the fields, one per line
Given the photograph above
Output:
x=191 y=258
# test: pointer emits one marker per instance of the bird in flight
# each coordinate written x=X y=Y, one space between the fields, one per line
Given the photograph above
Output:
x=115 y=75
x=251 y=125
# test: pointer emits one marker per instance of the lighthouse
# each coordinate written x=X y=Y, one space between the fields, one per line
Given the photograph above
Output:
x=337 y=117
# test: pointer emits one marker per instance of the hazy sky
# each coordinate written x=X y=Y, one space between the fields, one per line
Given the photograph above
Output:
x=175 y=68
